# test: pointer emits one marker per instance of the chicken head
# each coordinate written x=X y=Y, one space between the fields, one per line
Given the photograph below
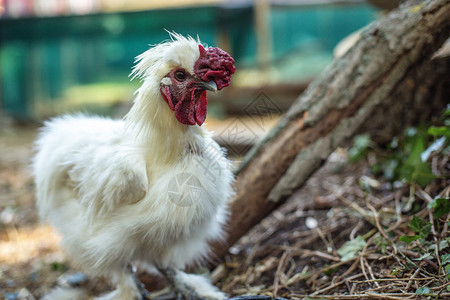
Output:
x=185 y=93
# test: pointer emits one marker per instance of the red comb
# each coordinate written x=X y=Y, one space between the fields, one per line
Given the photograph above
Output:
x=214 y=64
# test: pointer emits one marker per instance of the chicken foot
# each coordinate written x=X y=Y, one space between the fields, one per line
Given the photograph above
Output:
x=139 y=285
x=191 y=286
x=181 y=288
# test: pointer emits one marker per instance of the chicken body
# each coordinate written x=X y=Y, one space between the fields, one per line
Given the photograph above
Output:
x=144 y=189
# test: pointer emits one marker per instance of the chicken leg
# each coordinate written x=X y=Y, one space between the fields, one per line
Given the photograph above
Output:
x=139 y=285
x=128 y=287
x=191 y=286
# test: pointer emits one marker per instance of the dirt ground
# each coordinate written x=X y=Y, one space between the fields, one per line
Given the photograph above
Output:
x=295 y=253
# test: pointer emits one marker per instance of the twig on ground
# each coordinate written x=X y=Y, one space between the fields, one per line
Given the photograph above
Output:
x=335 y=285
x=278 y=273
x=366 y=216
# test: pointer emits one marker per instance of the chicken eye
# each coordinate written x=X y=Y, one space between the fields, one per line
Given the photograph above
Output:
x=180 y=75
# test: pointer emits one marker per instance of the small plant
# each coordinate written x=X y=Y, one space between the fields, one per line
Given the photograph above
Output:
x=409 y=158
x=424 y=248
x=422 y=229
x=361 y=146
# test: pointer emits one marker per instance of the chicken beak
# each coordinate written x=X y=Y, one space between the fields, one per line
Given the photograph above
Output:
x=207 y=86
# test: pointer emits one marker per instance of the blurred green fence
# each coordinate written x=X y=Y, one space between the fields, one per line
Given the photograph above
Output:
x=41 y=59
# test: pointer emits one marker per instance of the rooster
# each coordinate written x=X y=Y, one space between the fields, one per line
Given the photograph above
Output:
x=151 y=188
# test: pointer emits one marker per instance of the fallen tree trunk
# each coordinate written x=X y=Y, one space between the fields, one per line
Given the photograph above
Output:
x=337 y=105
x=420 y=96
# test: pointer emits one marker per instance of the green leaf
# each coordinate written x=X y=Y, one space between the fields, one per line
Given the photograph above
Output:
x=416 y=224
x=426 y=255
x=423 y=290
x=421 y=227
x=445 y=259
x=439 y=131
x=425 y=231
x=350 y=248
x=443 y=245
x=414 y=169
x=441 y=206
x=408 y=238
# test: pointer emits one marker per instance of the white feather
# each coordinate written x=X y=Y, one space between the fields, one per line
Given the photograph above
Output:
x=107 y=185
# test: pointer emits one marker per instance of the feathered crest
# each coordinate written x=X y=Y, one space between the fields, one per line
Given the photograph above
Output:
x=178 y=51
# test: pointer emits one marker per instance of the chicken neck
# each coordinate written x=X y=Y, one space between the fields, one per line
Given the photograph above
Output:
x=151 y=125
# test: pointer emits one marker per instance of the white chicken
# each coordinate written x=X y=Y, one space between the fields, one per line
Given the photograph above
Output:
x=152 y=188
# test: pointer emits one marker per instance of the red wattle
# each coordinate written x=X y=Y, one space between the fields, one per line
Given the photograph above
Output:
x=184 y=111
x=190 y=111
x=165 y=92
x=200 y=111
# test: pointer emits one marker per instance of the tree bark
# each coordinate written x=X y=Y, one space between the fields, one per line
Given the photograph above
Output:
x=346 y=98
x=419 y=97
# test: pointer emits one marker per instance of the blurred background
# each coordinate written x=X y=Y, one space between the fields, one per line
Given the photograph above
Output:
x=61 y=56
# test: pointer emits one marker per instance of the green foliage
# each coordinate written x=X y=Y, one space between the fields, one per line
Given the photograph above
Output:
x=424 y=290
x=405 y=163
x=416 y=224
x=440 y=206
x=397 y=271
x=427 y=255
x=381 y=243
x=330 y=271
x=427 y=248
x=409 y=159
x=414 y=169
x=439 y=131
x=443 y=244
x=421 y=227
x=350 y=248
x=445 y=259
x=361 y=145
x=409 y=238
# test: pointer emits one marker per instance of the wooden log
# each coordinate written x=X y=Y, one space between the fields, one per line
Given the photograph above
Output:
x=335 y=106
